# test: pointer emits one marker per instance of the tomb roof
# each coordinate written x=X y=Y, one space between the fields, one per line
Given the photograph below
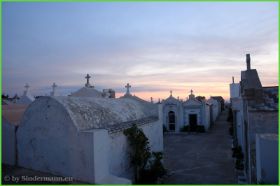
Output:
x=96 y=113
x=87 y=92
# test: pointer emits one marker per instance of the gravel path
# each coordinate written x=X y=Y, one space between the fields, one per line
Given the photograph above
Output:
x=200 y=158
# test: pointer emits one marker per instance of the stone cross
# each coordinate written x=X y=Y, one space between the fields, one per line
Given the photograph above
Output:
x=26 y=88
x=152 y=100
x=54 y=86
x=128 y=86
x=87 y=77
x=170 y=92
x=191 y=92
x=53 y=89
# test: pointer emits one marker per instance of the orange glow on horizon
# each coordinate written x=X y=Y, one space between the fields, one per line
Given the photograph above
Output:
x=183 y=94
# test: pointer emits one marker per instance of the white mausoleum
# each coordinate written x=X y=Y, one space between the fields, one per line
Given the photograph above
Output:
x=176 y=113
x=83 y=137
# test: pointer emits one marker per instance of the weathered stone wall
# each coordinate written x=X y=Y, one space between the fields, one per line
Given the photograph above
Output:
x=260 y=122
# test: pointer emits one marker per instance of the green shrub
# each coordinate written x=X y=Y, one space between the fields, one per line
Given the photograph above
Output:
x=237 y=153
x=147 y=166
x=234 y=151
x=239 y=164
x=164 y=129
x=185 y=128
x=230 y=115
x=200 y=128
x=155 y=170
x=230 y=130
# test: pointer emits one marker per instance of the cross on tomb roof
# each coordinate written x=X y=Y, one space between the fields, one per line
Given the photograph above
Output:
x=127 y=86
x=88 y=77
x=54 y=86
x=26 y=87
x=53 y=89
x=170 y=92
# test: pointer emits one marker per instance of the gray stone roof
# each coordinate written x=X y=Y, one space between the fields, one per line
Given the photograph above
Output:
x=171 y=100
x=87 y=92
x=95 y=113
x=144 y=104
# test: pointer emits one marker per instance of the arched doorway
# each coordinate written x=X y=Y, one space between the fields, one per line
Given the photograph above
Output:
x=171 y=120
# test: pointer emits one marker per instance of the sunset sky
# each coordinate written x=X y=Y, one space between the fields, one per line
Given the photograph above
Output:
x=156 y=47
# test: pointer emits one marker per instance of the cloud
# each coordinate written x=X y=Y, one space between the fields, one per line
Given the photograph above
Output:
x=168 y=47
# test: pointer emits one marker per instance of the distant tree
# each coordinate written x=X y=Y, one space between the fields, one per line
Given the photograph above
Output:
x=5 y=96
x=200 y=98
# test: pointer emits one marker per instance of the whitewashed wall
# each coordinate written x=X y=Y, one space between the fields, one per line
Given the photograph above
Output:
x=206 y=122
x=8 y=143
x=234 y=90
x=215 y=109
x=49 y=142
x=267 y=158
x=237 y=107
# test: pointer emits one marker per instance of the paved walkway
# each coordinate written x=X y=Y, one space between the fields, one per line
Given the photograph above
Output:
x=202 y=158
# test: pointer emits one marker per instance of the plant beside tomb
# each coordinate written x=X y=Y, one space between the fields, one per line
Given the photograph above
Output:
x=147 y=165
x=200 y=128
x=164 y=129
x=230 y=120
x=237 y=153
x=239 y=164
x=185 y=128
x=230 y=115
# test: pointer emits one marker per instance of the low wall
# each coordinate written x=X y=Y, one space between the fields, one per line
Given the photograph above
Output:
x=8 y=143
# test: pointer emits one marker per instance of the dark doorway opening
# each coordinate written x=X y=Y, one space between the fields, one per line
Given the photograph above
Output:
x=171 y=120
x=193 y=122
